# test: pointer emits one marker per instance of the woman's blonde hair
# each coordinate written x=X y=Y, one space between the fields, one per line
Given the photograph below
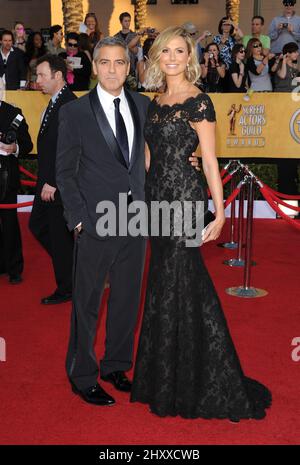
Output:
x=155 y=78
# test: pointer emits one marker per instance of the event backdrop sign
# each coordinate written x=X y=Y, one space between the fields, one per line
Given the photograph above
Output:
x=256 y=125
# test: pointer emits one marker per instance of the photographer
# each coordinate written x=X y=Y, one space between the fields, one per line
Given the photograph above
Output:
x=288 y=71
x=15 y=141
x=229 y=35
x=212 y=69
x=285 y=28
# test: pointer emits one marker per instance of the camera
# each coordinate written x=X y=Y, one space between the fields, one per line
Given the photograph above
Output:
x=11 y=135
x=150 y=30
x=285 y=25
x=211 y=56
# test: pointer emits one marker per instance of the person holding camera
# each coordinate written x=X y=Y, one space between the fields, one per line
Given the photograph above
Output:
x=285 y=28
x=259 y=67
x=15 y=142
x=229 y=34
x=236 y=75
x=287 y=76
x=212 y=69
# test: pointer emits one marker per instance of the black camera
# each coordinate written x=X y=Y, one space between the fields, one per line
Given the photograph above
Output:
x=285 y=25
x=11 y=135
x=150 y=30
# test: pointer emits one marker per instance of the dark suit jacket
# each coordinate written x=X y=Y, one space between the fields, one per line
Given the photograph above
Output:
x=7 y=115
x=90 y=167
x=47 y=144
x=15 y=70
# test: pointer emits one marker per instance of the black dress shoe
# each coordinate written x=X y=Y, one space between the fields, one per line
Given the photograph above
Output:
x=55 y=298
x=94 y=395
x=15 y=279
x=119 y=380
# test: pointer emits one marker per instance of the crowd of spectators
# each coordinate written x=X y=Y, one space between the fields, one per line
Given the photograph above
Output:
x=230 y=61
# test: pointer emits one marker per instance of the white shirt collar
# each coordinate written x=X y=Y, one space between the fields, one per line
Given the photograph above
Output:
x=106 y=98
x=11 y=50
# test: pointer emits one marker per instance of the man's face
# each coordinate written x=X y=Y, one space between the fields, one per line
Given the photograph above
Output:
x=46 y=79
x=59 y=36
x=111 y=67
x=7 y=42
x=126 y=22
x=256 y=26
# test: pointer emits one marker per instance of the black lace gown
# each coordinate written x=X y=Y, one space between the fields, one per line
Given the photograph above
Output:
x=186 y=362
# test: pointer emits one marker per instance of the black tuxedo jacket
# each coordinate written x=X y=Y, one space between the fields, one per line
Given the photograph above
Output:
x=7 y=115
x=47 y=144
x=15 y=69
x=90 y=167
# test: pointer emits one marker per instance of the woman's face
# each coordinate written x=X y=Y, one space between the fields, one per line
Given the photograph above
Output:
x=19 y=30
x=91 y=23
x=174 y=57
x=37 y=41
x=72 y=46
x=226 y=26
x=256 y=48
x=213 y=49
x=241 y=54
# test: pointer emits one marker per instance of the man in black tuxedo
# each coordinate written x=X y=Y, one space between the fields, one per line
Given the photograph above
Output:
x=15 y=142
x=101 y=154
x=47 y=222
x=12 y=63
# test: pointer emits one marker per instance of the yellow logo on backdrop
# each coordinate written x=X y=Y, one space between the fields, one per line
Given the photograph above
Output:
x=251 y=123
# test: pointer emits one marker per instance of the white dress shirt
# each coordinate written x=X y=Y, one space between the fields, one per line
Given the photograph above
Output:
x=107 y=102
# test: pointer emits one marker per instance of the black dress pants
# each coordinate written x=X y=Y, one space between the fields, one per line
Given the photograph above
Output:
x=123 y=259
x=11 y=256
x=48 y=225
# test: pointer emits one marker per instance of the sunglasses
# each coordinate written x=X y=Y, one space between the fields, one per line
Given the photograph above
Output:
x=71 y=44
x=4 y=62
x=256 y=45
x=242 y=51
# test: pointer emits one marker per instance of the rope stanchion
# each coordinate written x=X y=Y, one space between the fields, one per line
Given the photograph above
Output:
x=280 y=195
x=9 y=206
x=28 y=183
x=27 y=173
x=231 y=244
x=246 y=290
x=281 y=202
x=275 y=207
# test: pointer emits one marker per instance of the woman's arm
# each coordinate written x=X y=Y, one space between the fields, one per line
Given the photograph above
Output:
x=147 y=157
x=206 y=133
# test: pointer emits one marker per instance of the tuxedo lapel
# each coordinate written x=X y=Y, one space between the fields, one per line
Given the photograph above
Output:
x=137 y=128
x=105 y=127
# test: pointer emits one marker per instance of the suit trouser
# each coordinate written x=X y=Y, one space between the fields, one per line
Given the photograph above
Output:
x=48 y=225
x=11 y=257
x=123 y=259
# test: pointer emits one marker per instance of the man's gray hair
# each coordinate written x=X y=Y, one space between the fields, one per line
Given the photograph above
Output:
x=111 y=42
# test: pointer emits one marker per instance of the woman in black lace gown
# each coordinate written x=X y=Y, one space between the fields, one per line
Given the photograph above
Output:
x=186 y=362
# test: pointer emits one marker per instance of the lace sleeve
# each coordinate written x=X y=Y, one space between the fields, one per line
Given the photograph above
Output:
x=201 y=107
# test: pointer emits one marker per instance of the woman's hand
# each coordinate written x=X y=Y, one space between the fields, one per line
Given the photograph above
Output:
x=214 y=229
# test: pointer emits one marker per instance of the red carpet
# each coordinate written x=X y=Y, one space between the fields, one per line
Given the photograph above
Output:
x=37 y=406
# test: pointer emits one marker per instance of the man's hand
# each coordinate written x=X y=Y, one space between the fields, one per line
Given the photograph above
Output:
x=195 y=161
x=290 y=28
x=8 y=148
x=47 y=193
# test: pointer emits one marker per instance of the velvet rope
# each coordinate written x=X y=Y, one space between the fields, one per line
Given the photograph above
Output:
x=27 y=173
x=275 y=207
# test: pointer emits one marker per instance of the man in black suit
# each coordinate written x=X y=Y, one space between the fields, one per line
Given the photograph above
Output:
x=101 y=154
x=12 y=63
x=47 y=222
x=15 y=142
